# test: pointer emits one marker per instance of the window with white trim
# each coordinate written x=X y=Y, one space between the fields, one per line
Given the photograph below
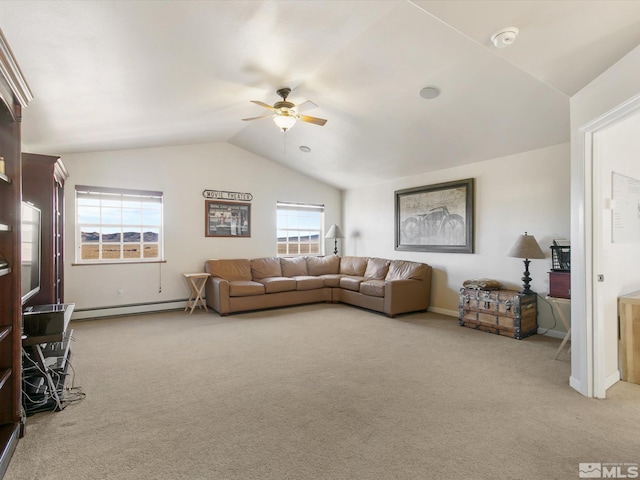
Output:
x=300 y=228
x=116 y=225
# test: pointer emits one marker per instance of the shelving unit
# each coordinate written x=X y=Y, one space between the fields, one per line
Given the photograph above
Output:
x=14 y=96
x=43 y=178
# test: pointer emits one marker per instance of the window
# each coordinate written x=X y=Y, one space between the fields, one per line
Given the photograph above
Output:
x=300 y=228
x=118 y=225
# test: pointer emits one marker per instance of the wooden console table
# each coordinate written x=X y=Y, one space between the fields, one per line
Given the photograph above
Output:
x=629 y=312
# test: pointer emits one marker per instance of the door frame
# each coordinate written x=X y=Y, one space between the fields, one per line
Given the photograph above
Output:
x=590 y=354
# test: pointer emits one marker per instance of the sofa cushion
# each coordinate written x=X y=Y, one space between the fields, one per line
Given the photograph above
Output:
x=294 y=267
x=245 y=288
x=377 y=268
x=351 y=282
x=323 y=265
x=231 y=270
x=353 y=266
x=278 y=284
x=374 y=288
x=265 y=268
x=331 y=280
x=403 y=270
x=308 y=283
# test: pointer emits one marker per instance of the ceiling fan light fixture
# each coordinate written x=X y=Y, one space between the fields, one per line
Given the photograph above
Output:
x=286 y=113
x=284 y=121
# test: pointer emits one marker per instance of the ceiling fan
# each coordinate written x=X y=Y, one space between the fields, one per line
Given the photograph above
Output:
x=286 y=113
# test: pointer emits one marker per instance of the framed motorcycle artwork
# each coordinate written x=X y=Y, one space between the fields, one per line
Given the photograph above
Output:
x=435 y=218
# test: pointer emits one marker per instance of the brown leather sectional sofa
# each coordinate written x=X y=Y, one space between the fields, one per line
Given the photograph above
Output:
x=388 y=286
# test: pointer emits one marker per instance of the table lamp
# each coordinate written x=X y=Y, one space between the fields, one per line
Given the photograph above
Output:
x=526 y=247
x=334 y=233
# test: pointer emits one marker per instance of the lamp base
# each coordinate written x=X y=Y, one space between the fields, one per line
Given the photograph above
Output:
x=526 y=279
x=335 y=246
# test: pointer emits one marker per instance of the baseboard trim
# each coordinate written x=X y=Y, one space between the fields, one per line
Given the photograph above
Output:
x=577 y=385
x=129 y=309
x=615 y=377
x=444 y=311
x=552 y=333
x=138 y=308
x=541 y=331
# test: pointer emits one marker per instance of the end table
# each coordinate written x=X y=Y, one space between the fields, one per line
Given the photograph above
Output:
x=556 y=302
x=196 y=282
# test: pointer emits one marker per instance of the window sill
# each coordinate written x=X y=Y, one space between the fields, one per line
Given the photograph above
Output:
x=93 y=264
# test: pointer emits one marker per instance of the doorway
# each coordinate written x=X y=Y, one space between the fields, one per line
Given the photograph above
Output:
x=611 y=146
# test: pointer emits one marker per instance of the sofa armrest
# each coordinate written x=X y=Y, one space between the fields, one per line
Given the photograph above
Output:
x=402 y=296
x=217 y=292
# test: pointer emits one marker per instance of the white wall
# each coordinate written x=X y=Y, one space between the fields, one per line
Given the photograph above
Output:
x=614 y=87
x=524 y=192
x=182 y=173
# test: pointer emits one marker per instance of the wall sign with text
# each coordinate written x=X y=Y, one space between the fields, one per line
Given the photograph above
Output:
x=223 y=195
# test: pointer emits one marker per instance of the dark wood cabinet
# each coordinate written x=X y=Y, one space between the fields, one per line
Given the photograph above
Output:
x=14 y=96
x=560 y=284
x=43 y=178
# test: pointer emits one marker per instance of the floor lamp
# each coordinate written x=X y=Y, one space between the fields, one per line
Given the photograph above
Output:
x=526 y=247
x=334 y=233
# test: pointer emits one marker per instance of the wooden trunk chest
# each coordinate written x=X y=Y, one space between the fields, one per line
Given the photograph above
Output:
x=503 y=312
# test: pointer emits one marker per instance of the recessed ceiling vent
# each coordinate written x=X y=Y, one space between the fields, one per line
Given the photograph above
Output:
x=429 y=93
x=505 y=37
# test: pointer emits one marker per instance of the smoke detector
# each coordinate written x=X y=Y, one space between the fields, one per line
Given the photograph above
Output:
x=429 y=93
x=504 y=37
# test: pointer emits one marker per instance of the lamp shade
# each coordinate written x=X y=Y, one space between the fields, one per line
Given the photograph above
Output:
x=526 y=247
x=284 y=121
x=334 y=232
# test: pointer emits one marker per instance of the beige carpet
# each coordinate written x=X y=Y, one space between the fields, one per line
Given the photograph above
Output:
x=321 y=392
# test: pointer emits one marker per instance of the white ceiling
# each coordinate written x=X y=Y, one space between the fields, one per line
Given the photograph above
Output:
x=112 y=75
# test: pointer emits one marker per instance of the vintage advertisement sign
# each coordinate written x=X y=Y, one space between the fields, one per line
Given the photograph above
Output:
x=223 y=195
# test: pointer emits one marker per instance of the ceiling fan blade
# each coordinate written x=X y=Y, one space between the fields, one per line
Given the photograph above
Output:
x=256 y=118
x=262 y=104
x=304 y=106
x=317 y=121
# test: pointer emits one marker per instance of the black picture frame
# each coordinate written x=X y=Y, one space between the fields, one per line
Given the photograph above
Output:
x=436 y=218
x=227 y=219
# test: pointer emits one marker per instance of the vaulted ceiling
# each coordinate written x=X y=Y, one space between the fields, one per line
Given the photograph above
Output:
x=114 y=75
